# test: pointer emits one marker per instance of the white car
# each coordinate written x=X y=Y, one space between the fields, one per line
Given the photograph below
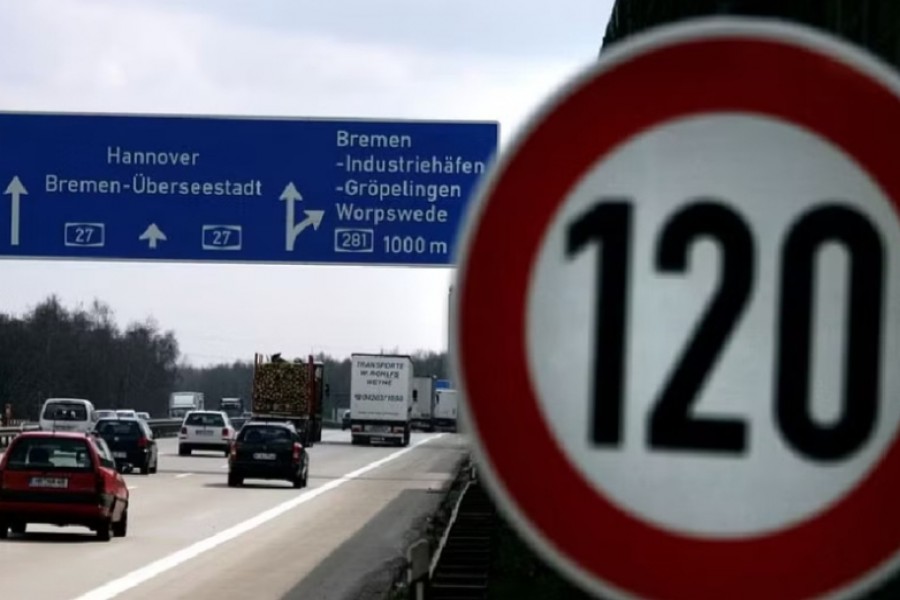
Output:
x=126 y=413
x=205 y=430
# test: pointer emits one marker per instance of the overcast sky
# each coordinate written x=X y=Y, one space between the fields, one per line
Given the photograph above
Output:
x=429 y=59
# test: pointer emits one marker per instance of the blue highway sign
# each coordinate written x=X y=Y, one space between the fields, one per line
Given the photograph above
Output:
x=184 y=188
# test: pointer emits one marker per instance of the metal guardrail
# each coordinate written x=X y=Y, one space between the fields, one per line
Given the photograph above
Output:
x=159 y=427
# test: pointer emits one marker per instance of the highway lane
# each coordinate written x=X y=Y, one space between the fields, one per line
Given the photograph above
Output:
x=182 y=519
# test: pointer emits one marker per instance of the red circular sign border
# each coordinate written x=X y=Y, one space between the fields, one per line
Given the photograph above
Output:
x=738 y=70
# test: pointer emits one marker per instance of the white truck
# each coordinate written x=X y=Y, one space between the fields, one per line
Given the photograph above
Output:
x=446 y=407
x=181 y=403
x=381 y=391
x=423 y=399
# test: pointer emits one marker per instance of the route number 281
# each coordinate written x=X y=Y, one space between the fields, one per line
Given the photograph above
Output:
x=671 y=425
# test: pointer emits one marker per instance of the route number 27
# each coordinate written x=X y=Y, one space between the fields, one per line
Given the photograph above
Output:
x=670 y=424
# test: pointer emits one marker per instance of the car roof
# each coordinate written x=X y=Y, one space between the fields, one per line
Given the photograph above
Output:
x=66 y=400
x=117 y=418
x=75 y=435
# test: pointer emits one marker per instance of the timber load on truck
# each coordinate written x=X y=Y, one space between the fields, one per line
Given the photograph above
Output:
x=290 y=390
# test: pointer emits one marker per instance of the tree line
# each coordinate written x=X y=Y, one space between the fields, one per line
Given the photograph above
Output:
x=54 y=351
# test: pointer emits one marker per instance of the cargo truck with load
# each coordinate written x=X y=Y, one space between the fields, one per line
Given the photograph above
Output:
x=291 y=391
x=381 y=391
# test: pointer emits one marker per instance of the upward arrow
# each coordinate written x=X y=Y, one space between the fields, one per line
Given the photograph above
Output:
x=15 y=190
x=153 y=235
x=289 y=196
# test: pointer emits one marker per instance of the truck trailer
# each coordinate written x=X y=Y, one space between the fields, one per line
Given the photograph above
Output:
x=446 y=407
x=181 y=403
x=381 y=391
x=423 y=399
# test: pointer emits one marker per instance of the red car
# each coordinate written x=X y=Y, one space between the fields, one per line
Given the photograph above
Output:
x=62 y=479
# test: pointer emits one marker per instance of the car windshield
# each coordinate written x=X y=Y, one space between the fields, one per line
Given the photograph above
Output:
x=49 y=453
x=66 y=411
x=264 y=435
x=205 y=420
x=105 y=414
x=118 y=428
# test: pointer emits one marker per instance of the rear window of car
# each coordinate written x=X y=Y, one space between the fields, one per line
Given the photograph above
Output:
x=49 y=453
x=205 y=420
x=119 y=428
x=260 y=434
x=66 y=411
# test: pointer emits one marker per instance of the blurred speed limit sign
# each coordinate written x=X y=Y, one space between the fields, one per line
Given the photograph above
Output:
x=677 y=326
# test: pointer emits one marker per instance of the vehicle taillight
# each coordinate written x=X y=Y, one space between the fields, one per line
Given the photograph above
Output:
x=142 y=442
x=226 y=432
x=184 y=431
x=356 y=428
x=233 y=454
x=297 y=450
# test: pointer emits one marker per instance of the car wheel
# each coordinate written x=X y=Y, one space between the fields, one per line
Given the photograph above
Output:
x=184 y=451
x=235 y=481
x=227 y=452
x=104 y=530
x=155 y=467
x=120 y=529
x=17 y=528
x=145 y=468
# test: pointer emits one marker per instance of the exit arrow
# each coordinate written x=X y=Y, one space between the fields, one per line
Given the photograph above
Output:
x=15 y=190
x=153 y=235
x=313 y=218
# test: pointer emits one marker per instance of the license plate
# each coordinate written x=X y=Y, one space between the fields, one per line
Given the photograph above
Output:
x=264 y=456
x=119 y=455
x=380 y=428
x=203 y=432
x=49 y=482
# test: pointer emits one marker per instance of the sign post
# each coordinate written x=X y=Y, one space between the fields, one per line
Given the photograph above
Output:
x=217 y=189
x=677 y=297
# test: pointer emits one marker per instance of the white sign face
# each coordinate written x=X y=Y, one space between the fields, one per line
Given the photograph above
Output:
x=766 y=175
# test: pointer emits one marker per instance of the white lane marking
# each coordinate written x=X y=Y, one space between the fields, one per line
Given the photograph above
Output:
x=167 y=563
x=225 y=466
x=183 y=475
x=132 y=487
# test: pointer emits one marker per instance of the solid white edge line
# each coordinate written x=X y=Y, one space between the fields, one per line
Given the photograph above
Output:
x=137 y=577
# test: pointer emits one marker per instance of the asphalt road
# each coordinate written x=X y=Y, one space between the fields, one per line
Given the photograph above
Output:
x=191 y=536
